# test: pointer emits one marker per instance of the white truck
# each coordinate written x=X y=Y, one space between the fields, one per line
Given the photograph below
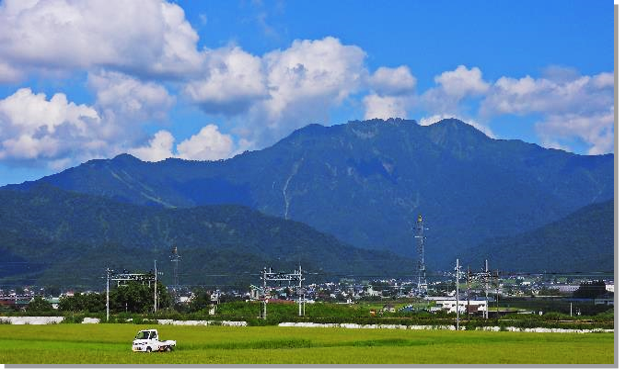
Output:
x=148 y=340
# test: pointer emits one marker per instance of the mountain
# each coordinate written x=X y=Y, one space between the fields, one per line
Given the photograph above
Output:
x=366 y=182
x=48 y=235
x=581 y=242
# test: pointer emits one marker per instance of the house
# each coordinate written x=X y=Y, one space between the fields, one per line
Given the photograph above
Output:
x=16 y=301
x=389 y=308
x=567 y=287
x=255 y=292
x=282 y=302
x=449 y=306
x=54 y=301
x=370 y=292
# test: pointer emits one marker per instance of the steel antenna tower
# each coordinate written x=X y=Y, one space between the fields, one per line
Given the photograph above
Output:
x=175 y=259
x=422 y=285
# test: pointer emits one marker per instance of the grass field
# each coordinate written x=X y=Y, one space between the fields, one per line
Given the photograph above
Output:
x=111 y=343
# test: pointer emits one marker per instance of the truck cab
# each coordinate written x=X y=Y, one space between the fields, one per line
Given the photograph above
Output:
x=147 y=340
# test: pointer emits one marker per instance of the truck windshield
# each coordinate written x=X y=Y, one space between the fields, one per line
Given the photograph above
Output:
x=142 y=335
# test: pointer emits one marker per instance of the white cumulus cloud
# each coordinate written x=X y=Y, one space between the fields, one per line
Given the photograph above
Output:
x=150 y=37
x=323 y=71
x=572 y=106
x=275 y=93
x=462 y=82
x=426 y=121
x=159 y=147
x=384 y=107
x=452 y=88
x=304 y=82
x=234 y=81
x=9 y=73
x=33 y=127
x=208 y=144
x=129 y=98
x=529 y=95
x=57 y=132
x=596 y=130
x=393 y=81
x=261 y=97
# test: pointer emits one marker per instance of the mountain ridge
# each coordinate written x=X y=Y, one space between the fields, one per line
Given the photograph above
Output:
x=366 y=181
x=53 y=232
x=583 y=241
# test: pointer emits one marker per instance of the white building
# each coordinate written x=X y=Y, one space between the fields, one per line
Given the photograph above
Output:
x=450 y=306
x=370 y=292
x=567 y=287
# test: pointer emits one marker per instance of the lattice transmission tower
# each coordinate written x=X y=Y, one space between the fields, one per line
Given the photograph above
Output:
x=422 y=284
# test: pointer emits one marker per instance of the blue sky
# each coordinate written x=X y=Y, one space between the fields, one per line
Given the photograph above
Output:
x=206 y=80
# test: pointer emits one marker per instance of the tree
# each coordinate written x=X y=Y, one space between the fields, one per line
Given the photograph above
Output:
x=202 y=300
x=590 y=290
x=136 y=297
x=39 y=305
x=91 y=302
x=133 y=297
x=52 y=290
x=7 y=308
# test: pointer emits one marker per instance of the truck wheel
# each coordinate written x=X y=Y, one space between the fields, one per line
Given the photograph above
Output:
x=168 y=349
x=148 y=349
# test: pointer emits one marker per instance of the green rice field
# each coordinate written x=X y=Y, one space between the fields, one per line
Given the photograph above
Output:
x=111 y=344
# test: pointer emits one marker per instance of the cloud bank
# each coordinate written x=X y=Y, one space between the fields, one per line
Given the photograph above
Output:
x=138 y=72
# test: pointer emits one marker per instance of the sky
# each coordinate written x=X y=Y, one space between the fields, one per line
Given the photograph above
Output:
x=206 y=80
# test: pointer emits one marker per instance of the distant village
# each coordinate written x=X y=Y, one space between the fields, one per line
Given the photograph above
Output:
x=387 y=293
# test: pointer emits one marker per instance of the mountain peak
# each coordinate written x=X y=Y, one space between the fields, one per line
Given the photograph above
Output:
x=456 y=129
x=125 y=158
x=380 y=121
x=454 y=123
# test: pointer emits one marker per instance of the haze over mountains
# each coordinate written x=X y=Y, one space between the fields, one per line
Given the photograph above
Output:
x=365 y=182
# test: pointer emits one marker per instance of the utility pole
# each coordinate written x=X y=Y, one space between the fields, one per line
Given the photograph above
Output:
x=497 y=294
x=107 y=295
x=301 y=298
x=155 y=296
x=264 y=291
x=457 y=294
x=468 y=292
x=486 y=276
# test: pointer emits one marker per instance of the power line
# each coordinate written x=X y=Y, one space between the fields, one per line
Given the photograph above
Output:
x=295 y=277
